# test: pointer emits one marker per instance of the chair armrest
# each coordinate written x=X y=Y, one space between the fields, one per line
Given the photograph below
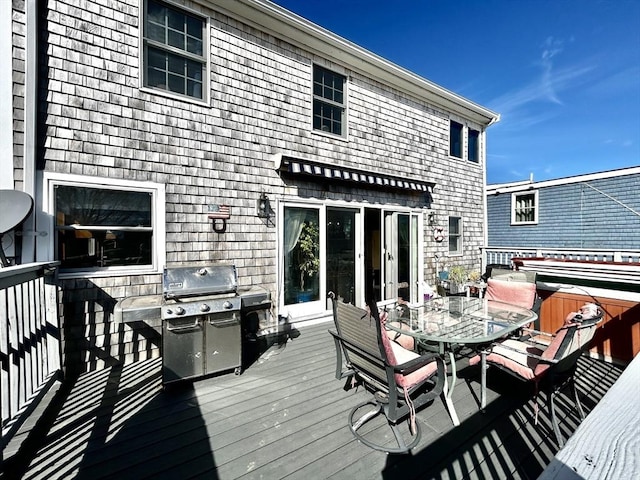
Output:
x=529 y=354
x=538 y=332
x=417 y=363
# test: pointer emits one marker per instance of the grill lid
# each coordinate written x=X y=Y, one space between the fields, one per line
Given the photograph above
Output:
x=192 y=281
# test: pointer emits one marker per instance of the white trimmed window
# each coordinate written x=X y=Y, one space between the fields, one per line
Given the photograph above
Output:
x=115 y=228
x=455 y=139
x=473 y=146
x=174 y=50
x=455 y=235
x=524 y=208
x=329 y=101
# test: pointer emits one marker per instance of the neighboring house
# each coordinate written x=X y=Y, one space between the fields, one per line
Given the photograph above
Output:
x=137 y=121
x=594 y=211
x=581 y=235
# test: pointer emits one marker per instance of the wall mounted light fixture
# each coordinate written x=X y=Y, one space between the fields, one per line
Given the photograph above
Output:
x=432 y=219
x=263 y=206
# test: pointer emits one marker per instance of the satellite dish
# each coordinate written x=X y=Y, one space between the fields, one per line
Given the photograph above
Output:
x=15 y=207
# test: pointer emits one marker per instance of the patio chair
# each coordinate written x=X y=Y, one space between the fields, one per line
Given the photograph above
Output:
x=516 y=292
x=553 y=365
x=400 y=380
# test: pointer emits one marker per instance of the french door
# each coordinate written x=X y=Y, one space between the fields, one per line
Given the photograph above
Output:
x=359 y=254
x=401 y=256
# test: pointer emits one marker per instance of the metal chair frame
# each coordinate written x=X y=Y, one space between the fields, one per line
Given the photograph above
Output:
x=562 y=367
x=361 y=360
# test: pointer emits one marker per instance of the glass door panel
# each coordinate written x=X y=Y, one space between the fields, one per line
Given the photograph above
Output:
x=301 y=249
x=400 y=256
x=341 y=254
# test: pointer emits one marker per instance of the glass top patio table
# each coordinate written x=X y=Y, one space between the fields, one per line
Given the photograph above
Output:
x=449 y=321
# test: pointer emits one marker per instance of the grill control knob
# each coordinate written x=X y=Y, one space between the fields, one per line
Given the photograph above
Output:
x=227 y=305
x=204 y=307
x=179 y=311
x=169 y=311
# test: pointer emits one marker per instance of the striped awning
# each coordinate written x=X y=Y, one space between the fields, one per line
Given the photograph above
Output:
x=334 y=173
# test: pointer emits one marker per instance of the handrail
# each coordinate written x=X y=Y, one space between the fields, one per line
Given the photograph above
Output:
x=503 y=255
x=30 y=355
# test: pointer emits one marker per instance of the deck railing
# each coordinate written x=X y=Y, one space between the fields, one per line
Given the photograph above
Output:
x=503 y=255
x=30 y=354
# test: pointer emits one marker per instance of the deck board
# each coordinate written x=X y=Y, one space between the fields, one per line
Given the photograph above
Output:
x=285 y=416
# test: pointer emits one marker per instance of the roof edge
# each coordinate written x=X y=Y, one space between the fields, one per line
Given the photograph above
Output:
x=530 y=185
x=295 y=29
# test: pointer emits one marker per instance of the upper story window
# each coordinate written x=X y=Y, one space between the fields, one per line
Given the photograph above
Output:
x=329 y=101
x=455 y=235
x=174 y=50
x=455 y=139
x=117 y=227
x=524 y=208
x=473 y=146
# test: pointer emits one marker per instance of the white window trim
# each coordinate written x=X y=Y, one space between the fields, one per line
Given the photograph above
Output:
x=461 y=235
x=514 y=197
x=46 y=241
x=206 y=42
x=463 y=142
x=478 y=146
x=345 y=129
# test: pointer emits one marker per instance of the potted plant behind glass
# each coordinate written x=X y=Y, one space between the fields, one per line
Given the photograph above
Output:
x=458 y=275
x=308 y=261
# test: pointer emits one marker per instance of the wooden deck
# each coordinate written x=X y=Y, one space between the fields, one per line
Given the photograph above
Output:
x=285 y=417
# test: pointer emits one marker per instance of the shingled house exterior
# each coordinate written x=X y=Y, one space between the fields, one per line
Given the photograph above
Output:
x=593 y=211
x=155 y=133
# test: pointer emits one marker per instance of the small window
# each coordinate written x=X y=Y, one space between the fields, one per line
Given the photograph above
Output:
x=455 y=235
x=473 y=152
x=524 y=208
x=174 y=50
x=328 y=101
x=455 y=139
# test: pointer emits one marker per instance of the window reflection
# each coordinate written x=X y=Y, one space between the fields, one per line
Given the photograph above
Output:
x=301 y=255
x=97 y=227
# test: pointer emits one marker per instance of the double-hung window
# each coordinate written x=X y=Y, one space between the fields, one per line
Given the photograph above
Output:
x=112 y=228
x=455 y=139
x=174 y=50
x=473 y=146
x=524 y=208
x=329 y=101
x=455 y=235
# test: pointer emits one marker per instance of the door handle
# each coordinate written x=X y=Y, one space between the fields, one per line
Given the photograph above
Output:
x=183 y=328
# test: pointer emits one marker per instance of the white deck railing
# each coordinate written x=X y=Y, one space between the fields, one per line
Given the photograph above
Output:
x=503 y=255
x=30 y=356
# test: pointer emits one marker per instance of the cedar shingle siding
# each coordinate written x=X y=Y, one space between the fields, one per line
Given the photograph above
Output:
x=99 y=123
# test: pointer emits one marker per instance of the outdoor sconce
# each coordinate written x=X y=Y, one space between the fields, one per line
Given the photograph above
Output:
x=432 y=219
x=263 y=207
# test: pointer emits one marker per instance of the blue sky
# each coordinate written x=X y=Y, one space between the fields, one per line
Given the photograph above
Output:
x=563 y=74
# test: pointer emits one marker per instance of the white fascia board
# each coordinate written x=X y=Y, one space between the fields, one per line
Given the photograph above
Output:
x=527 y=185
x=282 y=23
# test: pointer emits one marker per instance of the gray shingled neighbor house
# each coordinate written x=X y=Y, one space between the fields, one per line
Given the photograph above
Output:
x=158 y=133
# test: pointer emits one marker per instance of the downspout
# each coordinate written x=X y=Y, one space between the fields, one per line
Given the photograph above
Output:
x=485 y=213
x=30 y=126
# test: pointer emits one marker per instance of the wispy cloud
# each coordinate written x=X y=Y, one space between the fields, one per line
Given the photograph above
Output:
x=548 y=85
x=623 y=82
x=551 y=49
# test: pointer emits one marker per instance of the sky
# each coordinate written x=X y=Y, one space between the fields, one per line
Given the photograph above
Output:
x=563 y=74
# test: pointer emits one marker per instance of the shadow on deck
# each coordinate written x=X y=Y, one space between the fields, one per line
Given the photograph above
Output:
x=286 y=417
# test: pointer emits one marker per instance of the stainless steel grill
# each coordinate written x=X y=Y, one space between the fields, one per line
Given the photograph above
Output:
x=201 y=322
